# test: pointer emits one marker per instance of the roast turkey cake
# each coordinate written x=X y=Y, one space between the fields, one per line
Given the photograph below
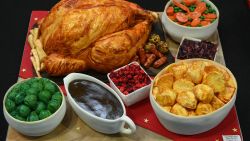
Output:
x=78 y=35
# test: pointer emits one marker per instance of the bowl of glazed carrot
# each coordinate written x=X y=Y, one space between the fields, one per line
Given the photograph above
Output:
x=191 y=18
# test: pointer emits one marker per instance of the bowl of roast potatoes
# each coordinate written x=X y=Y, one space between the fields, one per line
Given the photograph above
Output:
x=193 y=95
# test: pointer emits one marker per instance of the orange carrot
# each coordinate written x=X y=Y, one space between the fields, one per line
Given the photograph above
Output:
x=181 y=17
x=204 y=23
x=195 y=22
x=189 y=2
x=210 y=16
x=197 y=2
x=201 y=7
x=187 y=23
x=170 y=10
x=183 y=7
x=172 y=17
x=209 y=20
x=194 y=15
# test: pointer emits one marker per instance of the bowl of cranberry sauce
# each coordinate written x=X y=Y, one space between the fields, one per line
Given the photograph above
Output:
x=130 y=82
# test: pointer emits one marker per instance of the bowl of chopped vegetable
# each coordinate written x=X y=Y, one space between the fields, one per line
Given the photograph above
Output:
x=34 y=107
x=191 y=18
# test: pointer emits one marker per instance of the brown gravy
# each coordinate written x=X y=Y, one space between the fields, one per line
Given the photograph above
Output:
x=95 y=99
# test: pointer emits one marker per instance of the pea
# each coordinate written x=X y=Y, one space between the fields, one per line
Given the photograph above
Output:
x=211 y=10
x=176 y=9
x=44 y=96
x=180 y=10
x=208 y=5
x=57 y=96
x=44 y=114
x=33 y=116
x=24 y=86
x=53 y=105
x=23 y=110
x=191 y=9
x=38 y=86
x=19 y=97
x=206 y=12
x=202 y=17
x=12 y=95
x=50 y=87
x=40 y=106
x=19 y=117
x=32 y=91
x=31 y=101
x=10 y=105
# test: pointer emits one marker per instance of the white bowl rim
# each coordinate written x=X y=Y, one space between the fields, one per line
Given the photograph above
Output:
x=105 y=86
x=38 y=121
x=134 y=92
x=199 y=116
x=202 y=27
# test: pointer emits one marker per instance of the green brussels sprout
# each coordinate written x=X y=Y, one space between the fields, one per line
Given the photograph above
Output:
x=57 y=96
x=16 y=88
x=32 y=91
x=44 y=81
x=40 y=106
x=14 y=113
x=162 y=47
x=53 y=105
x=12 y=95
x=33 y=116
x=44 y=96
x=33 y=80
x=23 y=110
x=50 y=87
x=24 y=87
x=10 y=105
x=19 y=117
x=154 y=38
x=44 y=113
x=31 y=101
x=19 y=97
x=38 y=86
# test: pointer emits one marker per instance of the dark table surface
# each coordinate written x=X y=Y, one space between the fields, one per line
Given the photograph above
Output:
x=234 y=30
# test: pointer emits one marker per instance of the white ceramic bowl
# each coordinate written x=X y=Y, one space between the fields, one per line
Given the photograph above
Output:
x=192 y=39
x=135 y=96
x=36 y=128
x=177 y=31
x=107 y=126
x=196 y=124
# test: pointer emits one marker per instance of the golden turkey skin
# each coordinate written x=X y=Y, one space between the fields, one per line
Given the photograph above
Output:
x=92 y=34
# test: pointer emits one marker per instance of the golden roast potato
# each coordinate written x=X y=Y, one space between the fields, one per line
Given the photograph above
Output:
x=179 y=110
x=203 y=93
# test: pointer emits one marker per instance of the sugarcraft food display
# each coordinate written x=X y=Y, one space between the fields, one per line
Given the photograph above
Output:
x=117 y=39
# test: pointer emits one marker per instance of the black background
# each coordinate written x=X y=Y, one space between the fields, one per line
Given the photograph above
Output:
x=234 y=30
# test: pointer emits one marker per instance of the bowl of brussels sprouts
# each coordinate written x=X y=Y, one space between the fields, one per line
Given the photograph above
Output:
x=34 y=107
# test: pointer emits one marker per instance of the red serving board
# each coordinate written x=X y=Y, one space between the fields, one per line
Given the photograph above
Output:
x=142 y=113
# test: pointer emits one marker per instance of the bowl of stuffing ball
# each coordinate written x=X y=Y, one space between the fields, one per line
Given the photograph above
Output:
x=193 y=96
x=193 y=18
x=34 y=107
